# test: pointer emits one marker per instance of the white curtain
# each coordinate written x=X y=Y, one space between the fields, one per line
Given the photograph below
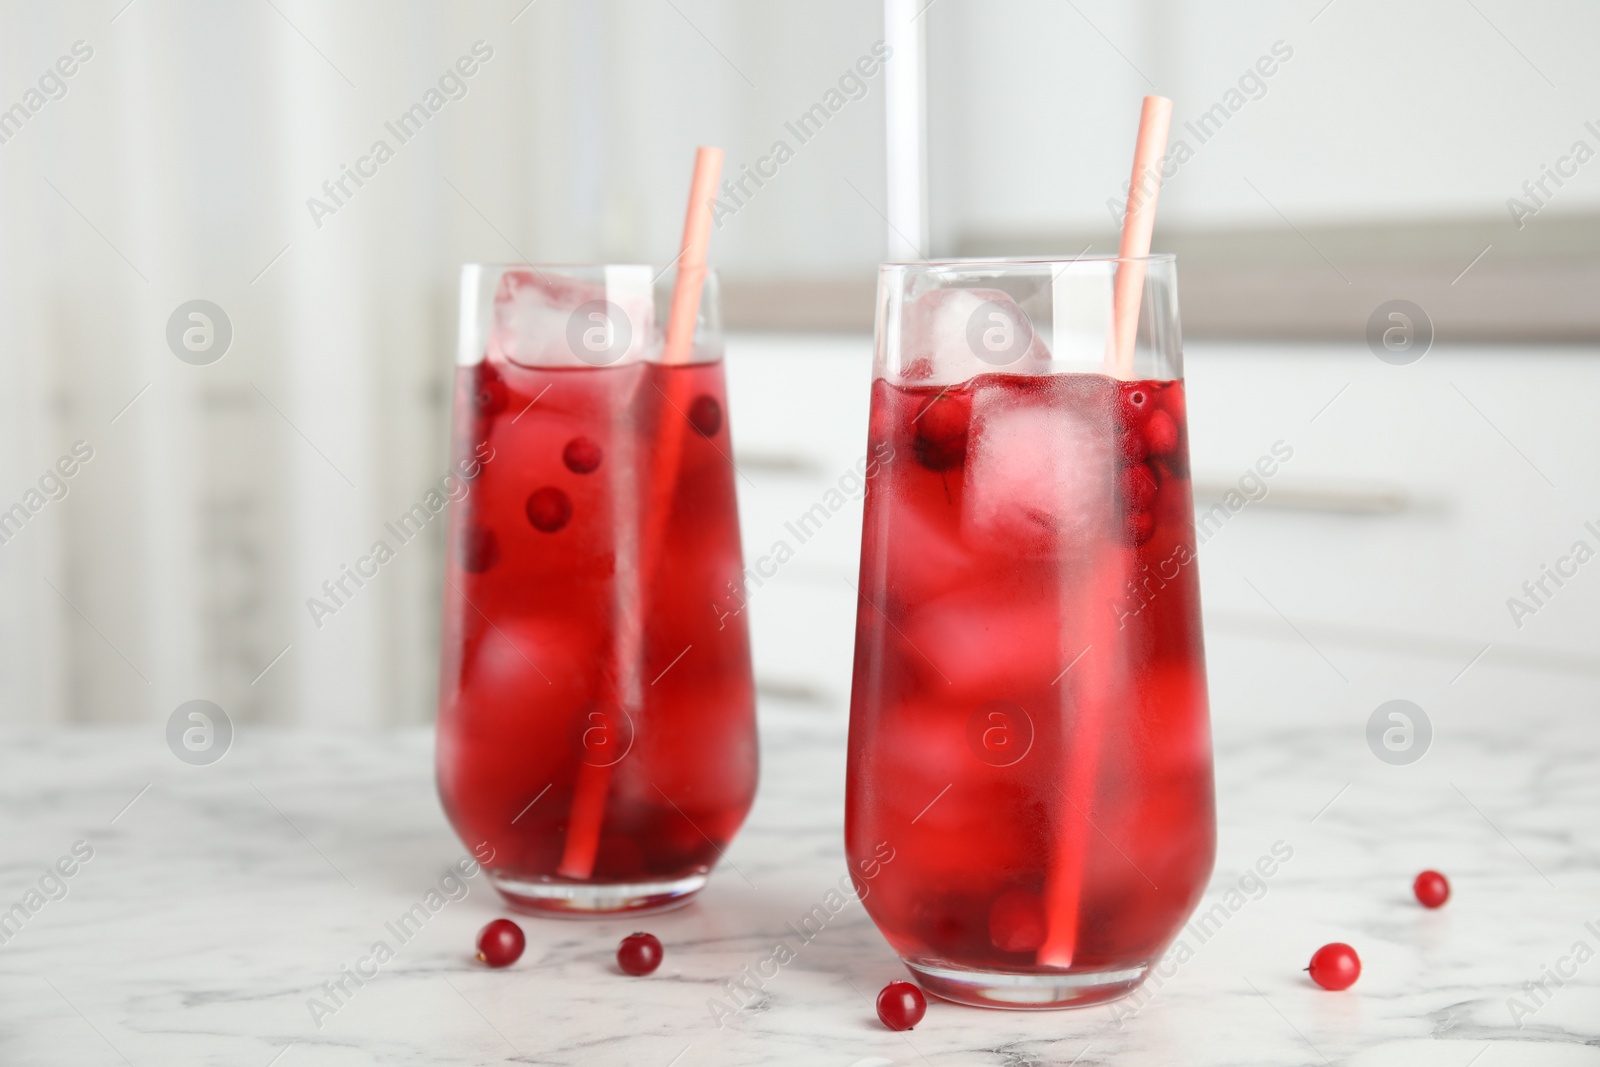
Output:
x=176 y=163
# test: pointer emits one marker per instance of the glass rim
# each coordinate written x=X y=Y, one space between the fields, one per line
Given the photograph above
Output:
x=636 y=291
x=523 y=265
x=960 y=263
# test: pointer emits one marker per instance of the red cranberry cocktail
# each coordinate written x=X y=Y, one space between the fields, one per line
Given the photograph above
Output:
x=596 y=737
x=1029 y=726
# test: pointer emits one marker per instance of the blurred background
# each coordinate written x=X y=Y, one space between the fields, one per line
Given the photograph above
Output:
x=1337 y=155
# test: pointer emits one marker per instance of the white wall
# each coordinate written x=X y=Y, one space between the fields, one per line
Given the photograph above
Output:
x=1400 y=110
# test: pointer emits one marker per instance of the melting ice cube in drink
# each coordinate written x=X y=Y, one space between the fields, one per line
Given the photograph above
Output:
x=529 y=662
x=531 y=313
x=978 y=642
x=543 y=318
x=950 y=335
x=1041 y=469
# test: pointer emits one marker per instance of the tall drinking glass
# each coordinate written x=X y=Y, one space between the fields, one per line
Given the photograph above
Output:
x=1029 y=734
x=596 y=735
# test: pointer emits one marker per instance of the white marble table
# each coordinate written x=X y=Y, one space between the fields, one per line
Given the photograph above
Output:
x=217 y=904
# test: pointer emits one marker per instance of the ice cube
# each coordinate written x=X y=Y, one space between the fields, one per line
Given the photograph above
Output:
x=543 y=318
x=951 y=335
x=929 y=557
x=984 y=642
x=1016 y=921
x=1041 y=469
x=522 y=664
x=531 y=313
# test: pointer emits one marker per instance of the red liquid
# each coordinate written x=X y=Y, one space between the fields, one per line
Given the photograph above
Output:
x=564 y=543
x=1032 y=813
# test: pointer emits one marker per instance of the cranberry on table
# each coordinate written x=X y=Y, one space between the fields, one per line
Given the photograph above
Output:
x=581 y=455
x=1335 y=966
x=639 y=954
x=549 y=509
x=705 y=415
x=500 y=944
x=901 y=1005
x=1432 y=889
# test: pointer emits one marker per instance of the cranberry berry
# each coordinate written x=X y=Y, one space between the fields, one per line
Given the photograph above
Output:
x=901 y=1005
x=581 y=455
x=1432 y=889
x=1141 y=526
x=940 y=443
x=489 y=393
x=1175 y=463
x=639 y=954
x=1133 y=445
x=705 y=415
x=500 y=944
x=549 y=509
x=1161 y=434
x=1135 y=405
x=1335 y=966
x=1138 y=486
x=477 y=550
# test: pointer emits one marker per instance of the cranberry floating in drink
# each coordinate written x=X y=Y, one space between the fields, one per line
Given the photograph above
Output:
x=596 y=715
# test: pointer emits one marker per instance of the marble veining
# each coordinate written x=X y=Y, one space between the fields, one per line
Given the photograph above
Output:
x=220 y=903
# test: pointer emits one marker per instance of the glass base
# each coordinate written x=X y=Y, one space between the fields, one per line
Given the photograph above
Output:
x=578 y=900
x=1026 y=992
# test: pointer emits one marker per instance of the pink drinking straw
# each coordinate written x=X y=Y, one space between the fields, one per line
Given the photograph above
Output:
x=1155 y=120
x=588 y=812
x=1096 y=679
x=692 y=256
